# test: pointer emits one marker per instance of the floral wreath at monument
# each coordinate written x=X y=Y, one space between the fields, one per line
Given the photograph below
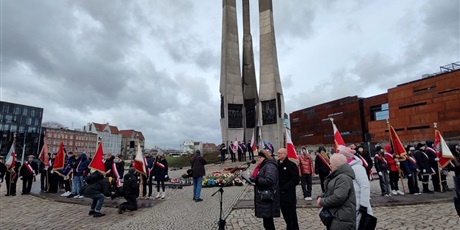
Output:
x=218 y=178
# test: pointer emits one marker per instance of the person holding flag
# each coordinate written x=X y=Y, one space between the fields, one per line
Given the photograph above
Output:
x=28 y=172
x=393 y=164
x=79 y=169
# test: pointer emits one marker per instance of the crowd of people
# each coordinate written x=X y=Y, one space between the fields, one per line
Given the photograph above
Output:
x=345 y=179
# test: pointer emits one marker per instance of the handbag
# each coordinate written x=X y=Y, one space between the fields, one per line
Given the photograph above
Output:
x=367 y=222
x=326 y=216
x=266 y=195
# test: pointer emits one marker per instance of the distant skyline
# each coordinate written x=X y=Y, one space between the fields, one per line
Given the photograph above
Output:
x=154 y=66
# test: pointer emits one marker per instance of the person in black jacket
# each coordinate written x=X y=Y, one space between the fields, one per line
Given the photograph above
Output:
x=288 y=180
x=198 y=172
x=382 y=167
x=322 y=165
x=160 y=173
x=11 y=178
x=98 y=188
x=423 y=163
x=3 y=169
x=266 y=181
x=28 y=172
x=131 y=191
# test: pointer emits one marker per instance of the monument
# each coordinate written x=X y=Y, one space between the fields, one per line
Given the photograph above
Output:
x=231 y=94
x=249 y=85
x=270 y=91
x=242 y=109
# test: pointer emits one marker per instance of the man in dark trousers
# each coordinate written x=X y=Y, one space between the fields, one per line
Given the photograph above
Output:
x=29 y=171
x=130 y=192
x=98 y=188
x=288 y=180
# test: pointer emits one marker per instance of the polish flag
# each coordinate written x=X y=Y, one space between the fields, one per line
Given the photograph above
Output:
x=60 y=158
x=338 y=140
x=97 y=163
x=398 y=148
x=235 y=144
x=139 y=162
x=443 y=151
x=11 y=157
x=253 y=143
x=291 y=153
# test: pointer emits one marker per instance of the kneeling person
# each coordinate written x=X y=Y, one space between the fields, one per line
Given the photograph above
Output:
x=130 y=190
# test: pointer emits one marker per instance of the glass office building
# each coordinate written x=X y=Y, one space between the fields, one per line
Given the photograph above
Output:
x=26 y=122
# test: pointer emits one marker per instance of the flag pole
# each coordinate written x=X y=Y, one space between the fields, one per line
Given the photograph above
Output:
x=435 y=125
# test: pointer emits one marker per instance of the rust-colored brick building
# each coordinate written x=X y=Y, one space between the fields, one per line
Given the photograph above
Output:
x=74 y=141
x=411 y=109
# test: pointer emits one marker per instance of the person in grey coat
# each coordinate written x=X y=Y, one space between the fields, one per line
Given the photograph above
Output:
x=265 y=177
x=339 y=196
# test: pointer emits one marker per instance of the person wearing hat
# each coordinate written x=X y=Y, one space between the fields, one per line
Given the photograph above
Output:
x=360 y=183
x=322 y=165
x=198 y=172
x=434 y=159
x=266 y=189
x=27 y=173
x=130 y=191
x=160 y=173
x=423 y=163
x=382 y=166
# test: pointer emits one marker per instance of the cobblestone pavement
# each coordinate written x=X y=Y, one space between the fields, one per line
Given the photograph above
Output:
x=179 y=211
x=427 y=216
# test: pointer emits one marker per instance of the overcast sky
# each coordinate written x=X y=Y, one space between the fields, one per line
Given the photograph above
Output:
x=154 y=65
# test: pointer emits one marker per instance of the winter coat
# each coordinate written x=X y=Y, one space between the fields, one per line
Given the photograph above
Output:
x=267 y=179
x=380 y=165
x=160 y=170
x=97 y=184
x=288 y=180
x=120 y=168
x=130 y=185
x=108 y=166
x=361 y=185
x=423 y=162
x=80 y=166
x=321 y=167
x=198 y=166
x=391 y=162
x=24 y=172
x=306 y=164
x=339 y=198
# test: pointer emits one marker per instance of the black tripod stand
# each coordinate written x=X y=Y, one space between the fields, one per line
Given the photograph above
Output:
x=222 y=222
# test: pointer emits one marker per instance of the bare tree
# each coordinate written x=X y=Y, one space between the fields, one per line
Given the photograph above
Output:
x=52 y=124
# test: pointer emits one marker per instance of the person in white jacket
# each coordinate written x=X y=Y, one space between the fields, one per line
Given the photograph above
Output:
x=360 y=183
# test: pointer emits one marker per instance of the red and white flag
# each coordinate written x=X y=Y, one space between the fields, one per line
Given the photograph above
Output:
x=398 y=148
x=117 y=175
x=338 y=140
x=44 y=157
x=444 y=153
x=253 y=142
x=291 y=153
x=235 y=144
x=11 y=158
x=59 y=160
x=139 y=161
x=97 y=163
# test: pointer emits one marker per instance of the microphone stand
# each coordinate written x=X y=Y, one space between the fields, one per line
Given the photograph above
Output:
x=222 y=222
